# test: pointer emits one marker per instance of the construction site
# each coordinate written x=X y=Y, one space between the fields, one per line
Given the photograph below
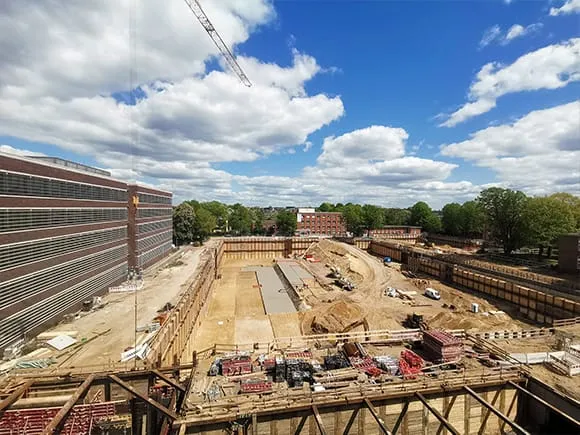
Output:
x=307 y=335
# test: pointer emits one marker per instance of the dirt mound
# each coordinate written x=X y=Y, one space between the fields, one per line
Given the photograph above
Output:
x=471 y=321
x=341 y=316
x=333 y=248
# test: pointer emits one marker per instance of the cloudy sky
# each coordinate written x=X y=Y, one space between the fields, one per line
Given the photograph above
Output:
x=367 y=101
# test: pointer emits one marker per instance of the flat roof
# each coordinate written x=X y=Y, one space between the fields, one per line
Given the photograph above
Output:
x=70 y=164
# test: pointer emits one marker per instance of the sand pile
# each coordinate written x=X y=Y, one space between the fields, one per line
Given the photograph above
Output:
x=341 y=316
x=471 y=321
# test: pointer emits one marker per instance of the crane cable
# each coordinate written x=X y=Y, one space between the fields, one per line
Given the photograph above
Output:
x=133 y=118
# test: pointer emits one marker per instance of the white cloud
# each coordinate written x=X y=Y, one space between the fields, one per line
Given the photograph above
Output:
x=18 y=151
x=495 y=34
x=569 y=7
x=539 y=153
x=376 y=142
x=208 y=119
x=549 y=67
x=518 y=31
x=79 y=49
x=490 y=35
x=366 y=165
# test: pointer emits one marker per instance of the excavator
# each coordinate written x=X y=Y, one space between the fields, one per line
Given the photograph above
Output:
x=415 y=321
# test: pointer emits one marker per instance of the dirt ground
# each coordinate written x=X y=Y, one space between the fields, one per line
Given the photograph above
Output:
x=235 y=310
x=567 y=385
x=383 y=312
x=162 y=284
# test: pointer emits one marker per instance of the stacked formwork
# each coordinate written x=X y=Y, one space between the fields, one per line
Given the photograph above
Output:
x=441 y=346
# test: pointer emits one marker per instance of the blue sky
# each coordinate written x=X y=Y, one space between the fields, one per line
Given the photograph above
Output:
x=324 y=72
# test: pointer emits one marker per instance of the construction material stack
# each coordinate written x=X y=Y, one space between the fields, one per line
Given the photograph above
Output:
x=441 y=346
x=410 y=364
x=236 y=365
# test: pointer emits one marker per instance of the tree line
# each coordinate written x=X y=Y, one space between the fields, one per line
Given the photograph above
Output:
x=508 y=217
x=195 y=221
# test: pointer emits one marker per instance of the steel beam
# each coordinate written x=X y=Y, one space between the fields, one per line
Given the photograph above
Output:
x=437 y=414
x=377 y=418
x=401 y=417
x=514 y=425
x=167 y=412
x=318 y=419
x=55 y=424
x=561 y=413
x=169 y=381
x=15 y=395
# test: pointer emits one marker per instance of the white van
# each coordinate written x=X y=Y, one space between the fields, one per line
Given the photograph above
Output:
x=432 y=293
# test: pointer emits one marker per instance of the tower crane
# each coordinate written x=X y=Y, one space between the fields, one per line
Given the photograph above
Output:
x=215 y=36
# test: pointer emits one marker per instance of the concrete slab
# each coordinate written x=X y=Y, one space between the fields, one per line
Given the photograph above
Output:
x=274 y=293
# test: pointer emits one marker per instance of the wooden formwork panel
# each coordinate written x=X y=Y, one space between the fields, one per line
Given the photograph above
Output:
x=462 y=411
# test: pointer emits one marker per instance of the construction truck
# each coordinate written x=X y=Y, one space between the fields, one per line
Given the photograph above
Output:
x=415 y=321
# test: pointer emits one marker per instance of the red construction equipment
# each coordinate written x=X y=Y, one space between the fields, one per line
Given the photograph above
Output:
x=237 y=365
x=255 y=387
x=33 y=421
x=366 y=365
x=410 y=364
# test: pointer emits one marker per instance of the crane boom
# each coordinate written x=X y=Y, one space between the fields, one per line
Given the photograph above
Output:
x=215 y=36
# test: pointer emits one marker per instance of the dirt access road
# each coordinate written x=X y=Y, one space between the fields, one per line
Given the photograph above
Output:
x=163 y=283
x=371 y=277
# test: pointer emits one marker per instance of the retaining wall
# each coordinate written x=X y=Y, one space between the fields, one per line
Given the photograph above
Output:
x=533 y=304
x=407 y=414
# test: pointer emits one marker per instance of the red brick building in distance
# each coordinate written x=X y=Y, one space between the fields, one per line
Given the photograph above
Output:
x=68 y=232
x=311 y=222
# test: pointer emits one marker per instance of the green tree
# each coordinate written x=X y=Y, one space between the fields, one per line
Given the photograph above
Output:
x=240 y=220
x=352 y=215
x=432 y=224
x=326 y=207
x=396 y=216
x=204 y=224
x=451 y=219
x=572 y=201
x=339 y=207
x=257 y=220
x=372 y=217
x=183 y=223
x=547 y=218
x=286 y=223
x=504 y=210
x=472 y=219
x=219 y=212
x=422 y=216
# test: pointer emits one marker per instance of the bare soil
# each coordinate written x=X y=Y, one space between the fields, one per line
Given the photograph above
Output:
x=162 y=284
x=382 y=312
x=235 y=310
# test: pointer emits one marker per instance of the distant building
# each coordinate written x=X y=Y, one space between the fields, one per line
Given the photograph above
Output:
x=399 y=232
x=68 y=232
x=150 y=225
x=569 y=253
x=311 y=222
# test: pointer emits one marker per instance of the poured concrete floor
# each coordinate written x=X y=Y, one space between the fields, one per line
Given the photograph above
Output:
x=235 y=310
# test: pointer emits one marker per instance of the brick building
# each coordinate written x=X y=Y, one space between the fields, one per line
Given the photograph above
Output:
x=400 y=232
x=569 y=253
x=309 y=221
x=64 y=237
